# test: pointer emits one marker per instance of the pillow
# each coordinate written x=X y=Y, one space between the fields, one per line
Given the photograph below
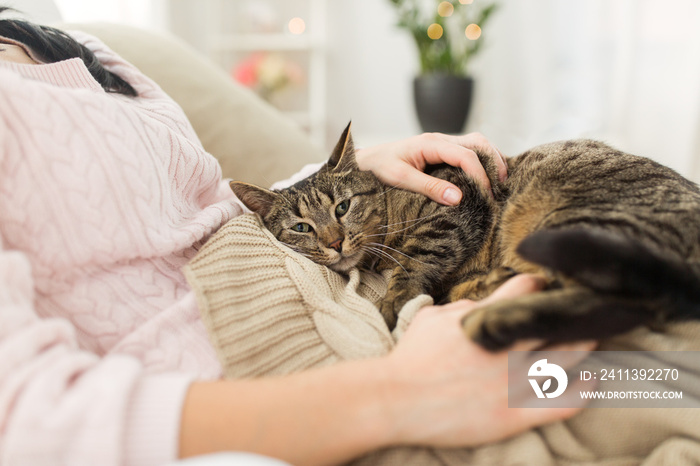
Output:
x=252 y=140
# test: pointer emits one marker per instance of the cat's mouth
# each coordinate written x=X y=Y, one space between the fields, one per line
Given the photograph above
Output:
x=345 y=263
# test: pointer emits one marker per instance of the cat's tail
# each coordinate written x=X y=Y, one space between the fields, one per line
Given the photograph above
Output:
x=611 y=263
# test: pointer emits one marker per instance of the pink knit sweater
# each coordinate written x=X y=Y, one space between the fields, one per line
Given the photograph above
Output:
x=103 y=198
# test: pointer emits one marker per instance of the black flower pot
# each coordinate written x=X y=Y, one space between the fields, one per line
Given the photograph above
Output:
x=442 y=102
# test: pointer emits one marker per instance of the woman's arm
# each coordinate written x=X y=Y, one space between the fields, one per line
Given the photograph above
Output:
x=321 y=416
x=401 y=163
x=63 y=405
x=436 y=388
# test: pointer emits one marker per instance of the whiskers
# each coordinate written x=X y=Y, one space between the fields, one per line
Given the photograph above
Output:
x=396 y=251
x=378 y=250
x=374 y=251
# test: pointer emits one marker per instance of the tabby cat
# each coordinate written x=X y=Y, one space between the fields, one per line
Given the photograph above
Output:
x=616 y=235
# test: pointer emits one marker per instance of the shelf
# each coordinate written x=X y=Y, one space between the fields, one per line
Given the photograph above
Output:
x=228 y=42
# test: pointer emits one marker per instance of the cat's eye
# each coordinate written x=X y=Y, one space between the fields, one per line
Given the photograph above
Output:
x=302 y=227
x=342 y=208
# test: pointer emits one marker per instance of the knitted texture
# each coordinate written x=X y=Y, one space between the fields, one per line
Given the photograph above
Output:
x=272 y=311
x=103 y=198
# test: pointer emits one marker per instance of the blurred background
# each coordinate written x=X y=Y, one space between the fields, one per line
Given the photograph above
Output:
x=623 y=71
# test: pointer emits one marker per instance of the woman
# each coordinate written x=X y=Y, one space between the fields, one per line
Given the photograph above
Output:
x=105 y=193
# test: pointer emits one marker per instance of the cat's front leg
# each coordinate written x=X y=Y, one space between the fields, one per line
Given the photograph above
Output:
x=562 y=315
x=401 y=289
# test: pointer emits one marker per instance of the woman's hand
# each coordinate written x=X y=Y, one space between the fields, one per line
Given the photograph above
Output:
x=402 y=163
x=447 y=391
x=435 y=388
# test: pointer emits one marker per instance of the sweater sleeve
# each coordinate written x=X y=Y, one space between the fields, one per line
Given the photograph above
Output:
x=61 y=405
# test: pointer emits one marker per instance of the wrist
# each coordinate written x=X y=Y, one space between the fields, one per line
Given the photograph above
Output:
x=370 y=406
x=324 y=416
x=399 y=396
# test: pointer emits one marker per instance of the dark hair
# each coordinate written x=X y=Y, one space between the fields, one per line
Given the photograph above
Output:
x=54 y=45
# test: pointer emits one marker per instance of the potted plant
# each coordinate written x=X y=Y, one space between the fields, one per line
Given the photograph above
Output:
x=447 y=34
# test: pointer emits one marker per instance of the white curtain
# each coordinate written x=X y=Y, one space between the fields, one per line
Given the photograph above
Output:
x=624 y=71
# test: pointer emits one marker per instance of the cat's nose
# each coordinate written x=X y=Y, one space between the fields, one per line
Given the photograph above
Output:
x=337 y=244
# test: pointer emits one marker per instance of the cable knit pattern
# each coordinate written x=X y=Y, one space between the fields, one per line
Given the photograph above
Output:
x=103 y=199
x=271 y=311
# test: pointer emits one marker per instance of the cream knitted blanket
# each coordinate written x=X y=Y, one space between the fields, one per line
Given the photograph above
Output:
x=271 y=311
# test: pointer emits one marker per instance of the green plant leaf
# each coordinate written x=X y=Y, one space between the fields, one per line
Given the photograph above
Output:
x=452 y=52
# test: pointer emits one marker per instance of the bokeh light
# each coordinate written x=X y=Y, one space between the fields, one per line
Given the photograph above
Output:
x=445 y=9
x=466 y=2
x=435 y=31
x=296 y=26
x=473 y=31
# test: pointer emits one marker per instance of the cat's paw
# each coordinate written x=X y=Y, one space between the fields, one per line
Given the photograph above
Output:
x=495 y=328
x=392 y=305
x=386 y=309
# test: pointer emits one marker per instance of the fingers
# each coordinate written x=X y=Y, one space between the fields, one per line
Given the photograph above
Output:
x=461 y=305
x=438 y=190
x=408 y=176
x=524 y=284
x=439 y=148
x=517 y=286
x=476 y=141
x=402 y=163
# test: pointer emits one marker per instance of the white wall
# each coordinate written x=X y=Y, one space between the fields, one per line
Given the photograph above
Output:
x=141 y=13
x=42 y=11
x=624 y=71
x=371 y=66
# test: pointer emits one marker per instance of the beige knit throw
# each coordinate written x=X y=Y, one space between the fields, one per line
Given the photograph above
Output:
x=271 y=311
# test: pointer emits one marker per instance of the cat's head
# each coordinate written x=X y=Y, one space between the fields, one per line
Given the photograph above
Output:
x=331 y=217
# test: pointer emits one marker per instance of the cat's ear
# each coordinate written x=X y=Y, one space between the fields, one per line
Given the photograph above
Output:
x=343 y=156
x=257 y=199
